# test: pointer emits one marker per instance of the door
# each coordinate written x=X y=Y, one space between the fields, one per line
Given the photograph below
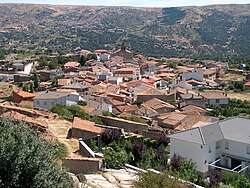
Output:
x=235 y=163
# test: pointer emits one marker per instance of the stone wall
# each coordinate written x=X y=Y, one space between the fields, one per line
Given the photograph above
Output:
x=82 y=165
x=128 y=126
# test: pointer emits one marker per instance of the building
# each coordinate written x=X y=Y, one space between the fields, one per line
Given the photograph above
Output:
x=223 y=145
x=130 y=73
x=191 y=99
x=123 y=52
x=194 y=74
x=216 y=99
x=19 y=96
x=69 y=65
x=48 y=99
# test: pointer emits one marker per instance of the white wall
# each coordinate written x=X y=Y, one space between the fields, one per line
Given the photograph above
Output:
x=194 y=74
x=221 y=102
x=189 y=150
x=236 y=149
x=49 y=103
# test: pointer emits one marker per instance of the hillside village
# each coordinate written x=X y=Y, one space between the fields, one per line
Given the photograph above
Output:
x=97 y=102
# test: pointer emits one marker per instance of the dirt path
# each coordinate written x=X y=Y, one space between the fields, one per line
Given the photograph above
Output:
x=59 y=129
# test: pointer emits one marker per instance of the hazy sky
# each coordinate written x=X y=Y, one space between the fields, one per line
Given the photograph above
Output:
x=138 y=3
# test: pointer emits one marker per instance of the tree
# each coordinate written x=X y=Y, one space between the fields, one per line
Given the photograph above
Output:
x=91 y=56
x=110 y=135
x=27 y=160
x=53 y=64
x=175 y=162
x=115 y=156
x=43 y=61
x=31 y=87
x=35 y=79
x=83 y=60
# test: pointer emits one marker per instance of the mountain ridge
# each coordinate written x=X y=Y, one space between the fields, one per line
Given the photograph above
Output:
x=176 y=31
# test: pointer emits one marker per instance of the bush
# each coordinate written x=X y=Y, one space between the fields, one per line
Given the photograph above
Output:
x=154 y=180
x=214 y=177
x=82 y=103
x=28 y=160
x=110 y=135
x=106 y=113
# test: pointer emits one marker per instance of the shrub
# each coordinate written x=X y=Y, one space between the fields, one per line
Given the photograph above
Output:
x=175 y=162
x=154 y=180
x=214 y=177
x=28 y=160
x=110 y=135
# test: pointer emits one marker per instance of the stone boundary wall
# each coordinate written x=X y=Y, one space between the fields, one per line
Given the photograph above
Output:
x=82 y=165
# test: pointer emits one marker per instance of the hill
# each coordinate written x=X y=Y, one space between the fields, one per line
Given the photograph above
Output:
x=173 y=32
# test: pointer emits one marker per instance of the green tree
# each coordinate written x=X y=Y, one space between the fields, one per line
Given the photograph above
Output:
x=91 y=56
x=28 y=160
x=31 y=87
x=83 y=60
x=53 y=64
x=35 y=79
x=43 y=61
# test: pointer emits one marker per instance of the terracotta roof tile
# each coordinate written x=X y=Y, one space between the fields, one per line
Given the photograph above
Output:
x=86 y=126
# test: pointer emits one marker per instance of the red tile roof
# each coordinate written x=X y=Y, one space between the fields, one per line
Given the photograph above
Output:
x=86 y=126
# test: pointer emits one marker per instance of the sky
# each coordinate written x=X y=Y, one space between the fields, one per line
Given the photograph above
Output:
x=137 y=3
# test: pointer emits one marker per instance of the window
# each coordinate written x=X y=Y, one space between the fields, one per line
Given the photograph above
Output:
x=45 y=102
x=217 y=100
x=217 y=145
x=248 y=149
x=209 y=149
x=37 y=102
x=226 y=162
x=226 y=145
x=52 y=103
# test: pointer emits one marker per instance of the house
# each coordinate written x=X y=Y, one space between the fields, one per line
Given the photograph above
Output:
x=155 y=93
x=130 y=73
x=156 y=106
x=102 y=55
x=100 y=103
x=78 y=87
x=47 y=100
x=183 y=85
x=64 y=81
x=50 y=74
x=222 y=145
x=19 y=96
x=194 y=74
x=21 y=78
x=71 y=64
x=18 y=65
x=191 y=99
x=247 y=84
x=216 y=99
x=115 y=80
x=209 y=74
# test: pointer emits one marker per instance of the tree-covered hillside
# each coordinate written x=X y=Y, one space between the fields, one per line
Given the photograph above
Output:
x=218 y=30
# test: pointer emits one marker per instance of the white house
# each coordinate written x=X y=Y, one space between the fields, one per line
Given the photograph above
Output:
x=100 y=103
x=223 y=145
x=216 y=99
x=48 y=99
x=194 y=74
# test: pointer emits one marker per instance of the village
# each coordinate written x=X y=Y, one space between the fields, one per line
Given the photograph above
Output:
x=120 y=113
